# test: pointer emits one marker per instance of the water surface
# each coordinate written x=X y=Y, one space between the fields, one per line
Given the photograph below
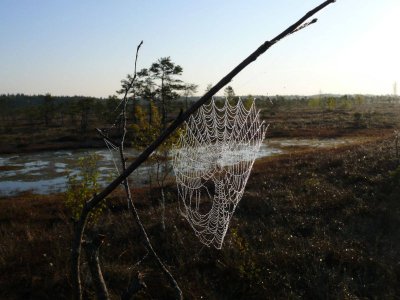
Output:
x=47 y=172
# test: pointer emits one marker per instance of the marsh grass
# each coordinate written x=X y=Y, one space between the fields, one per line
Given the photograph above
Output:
x=316 y=223
x=322 y=224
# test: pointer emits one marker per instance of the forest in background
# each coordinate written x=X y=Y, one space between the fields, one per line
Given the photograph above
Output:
x=40 y=122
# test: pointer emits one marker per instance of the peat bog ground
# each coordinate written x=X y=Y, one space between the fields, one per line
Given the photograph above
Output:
x=312 y=224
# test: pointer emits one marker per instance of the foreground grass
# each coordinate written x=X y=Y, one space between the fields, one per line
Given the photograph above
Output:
x=316 y=225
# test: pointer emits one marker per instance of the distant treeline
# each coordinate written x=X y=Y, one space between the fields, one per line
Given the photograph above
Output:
x=74 y=112
x=80 y=112
x=22 y=100
x=15 y=101
x=54 y=111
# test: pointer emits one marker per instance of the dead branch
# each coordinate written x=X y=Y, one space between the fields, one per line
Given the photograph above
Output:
x=131 y=204
x=92 y=254
x=92 y=203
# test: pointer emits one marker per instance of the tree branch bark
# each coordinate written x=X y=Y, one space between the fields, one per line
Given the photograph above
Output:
x=184 y=116
x=80 y=225
x=92 y=254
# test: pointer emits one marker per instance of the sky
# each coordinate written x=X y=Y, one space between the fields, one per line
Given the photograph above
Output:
x=71 y=47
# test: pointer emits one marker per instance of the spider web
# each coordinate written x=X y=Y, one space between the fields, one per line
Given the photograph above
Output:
x=212 y=164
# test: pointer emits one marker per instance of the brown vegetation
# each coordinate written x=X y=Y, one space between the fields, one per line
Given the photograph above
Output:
x=315 y=223
x=319 y=224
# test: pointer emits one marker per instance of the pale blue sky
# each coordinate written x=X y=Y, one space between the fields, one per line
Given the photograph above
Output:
x=68 y=47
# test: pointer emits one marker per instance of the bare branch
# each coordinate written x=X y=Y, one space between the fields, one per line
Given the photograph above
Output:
x=184 y=116
x=132 y=206
x=80 y=226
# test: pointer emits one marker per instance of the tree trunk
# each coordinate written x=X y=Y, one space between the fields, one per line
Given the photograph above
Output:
x=92 y=254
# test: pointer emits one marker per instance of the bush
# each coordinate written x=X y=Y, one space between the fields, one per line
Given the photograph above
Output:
x=82 y=186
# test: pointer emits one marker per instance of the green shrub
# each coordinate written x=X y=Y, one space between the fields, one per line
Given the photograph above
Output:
x=82 y=186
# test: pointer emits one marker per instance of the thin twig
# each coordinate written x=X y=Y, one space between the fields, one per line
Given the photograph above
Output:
x=132 y=206
x=104 y=136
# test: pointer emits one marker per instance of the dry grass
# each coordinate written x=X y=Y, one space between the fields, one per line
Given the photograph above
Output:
x=313 y=224
x=320 y=224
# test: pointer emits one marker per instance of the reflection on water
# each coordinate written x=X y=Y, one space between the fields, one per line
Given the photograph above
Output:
x=206 y=158
x=46 y=172
x=45 y=186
